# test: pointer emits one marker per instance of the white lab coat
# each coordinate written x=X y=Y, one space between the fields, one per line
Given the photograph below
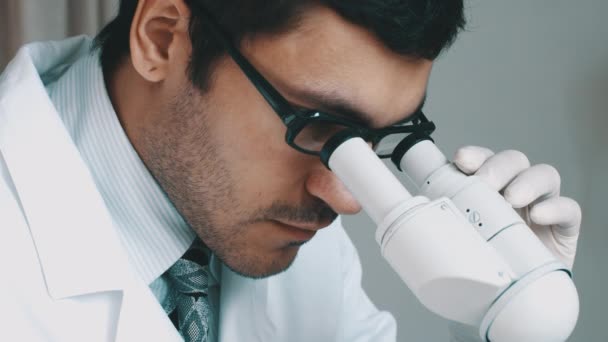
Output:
x=64 y=275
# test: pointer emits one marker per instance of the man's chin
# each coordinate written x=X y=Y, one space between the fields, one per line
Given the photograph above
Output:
x=266 y=268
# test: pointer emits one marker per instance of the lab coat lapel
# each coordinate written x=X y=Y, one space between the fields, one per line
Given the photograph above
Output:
x=142 y=318
x=297 y=305
x=77 y=246
x=79 y=251
x=243 y=315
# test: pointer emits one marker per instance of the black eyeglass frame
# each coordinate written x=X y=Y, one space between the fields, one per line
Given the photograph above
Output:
x=296 y=119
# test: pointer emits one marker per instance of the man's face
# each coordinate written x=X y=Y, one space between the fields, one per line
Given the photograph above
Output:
x=221 y=155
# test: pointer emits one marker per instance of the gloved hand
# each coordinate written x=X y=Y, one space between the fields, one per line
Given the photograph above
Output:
x=534 y=191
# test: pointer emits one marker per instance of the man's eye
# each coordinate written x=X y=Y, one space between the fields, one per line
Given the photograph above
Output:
x=323 y=131
x=315 y=134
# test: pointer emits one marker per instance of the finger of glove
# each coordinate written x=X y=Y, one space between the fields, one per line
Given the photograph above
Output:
x=501 y=168
x=536 y=183
x=563 y=247
x=470 y=158
x=563 y=213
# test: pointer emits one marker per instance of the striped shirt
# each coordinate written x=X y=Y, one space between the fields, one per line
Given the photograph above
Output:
x=152 y=231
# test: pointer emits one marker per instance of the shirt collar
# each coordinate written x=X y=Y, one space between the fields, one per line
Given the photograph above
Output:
x=152 y=231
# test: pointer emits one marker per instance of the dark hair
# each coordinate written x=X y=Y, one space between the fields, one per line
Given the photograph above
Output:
x=416 y=28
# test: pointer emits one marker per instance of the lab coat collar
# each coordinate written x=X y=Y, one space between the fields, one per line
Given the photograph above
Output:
x=73 y=232
x=79 y=250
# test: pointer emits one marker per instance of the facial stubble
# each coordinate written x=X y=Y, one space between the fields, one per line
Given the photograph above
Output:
x=182 y=153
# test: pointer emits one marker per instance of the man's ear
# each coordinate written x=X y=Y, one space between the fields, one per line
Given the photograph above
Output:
x=157 y=36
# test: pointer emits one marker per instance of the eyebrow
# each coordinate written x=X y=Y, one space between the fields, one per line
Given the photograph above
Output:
x=339 y=106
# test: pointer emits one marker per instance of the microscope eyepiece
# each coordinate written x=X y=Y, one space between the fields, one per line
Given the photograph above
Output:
x=333 y=143
x=404 y=146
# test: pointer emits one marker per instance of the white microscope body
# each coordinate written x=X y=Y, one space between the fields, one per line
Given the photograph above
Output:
x=460 y=246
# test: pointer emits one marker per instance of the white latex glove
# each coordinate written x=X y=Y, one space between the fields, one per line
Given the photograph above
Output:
x=534 y=191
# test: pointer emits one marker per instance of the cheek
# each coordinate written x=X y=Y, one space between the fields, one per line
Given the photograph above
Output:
x=248 y=132
x=243 y=121
x=252 y=139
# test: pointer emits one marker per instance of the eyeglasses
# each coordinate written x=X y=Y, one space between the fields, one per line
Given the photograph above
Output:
x=309 y=129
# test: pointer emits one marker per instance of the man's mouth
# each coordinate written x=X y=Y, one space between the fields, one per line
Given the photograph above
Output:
x=312 y=226
x=299 y=234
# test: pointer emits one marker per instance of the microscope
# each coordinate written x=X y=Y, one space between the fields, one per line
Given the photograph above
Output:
x=458 y=245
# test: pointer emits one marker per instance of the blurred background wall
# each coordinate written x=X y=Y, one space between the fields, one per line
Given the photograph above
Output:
x=526 y=75
x=29 y=20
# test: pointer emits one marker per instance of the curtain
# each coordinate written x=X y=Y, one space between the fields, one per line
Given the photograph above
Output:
x=23 y=21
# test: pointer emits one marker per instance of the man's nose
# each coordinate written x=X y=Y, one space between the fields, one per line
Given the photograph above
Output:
x=325 y=185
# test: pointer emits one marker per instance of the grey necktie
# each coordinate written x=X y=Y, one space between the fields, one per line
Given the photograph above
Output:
x=188 y=303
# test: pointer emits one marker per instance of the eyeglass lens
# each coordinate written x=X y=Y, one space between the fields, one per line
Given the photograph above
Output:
x=313 y=136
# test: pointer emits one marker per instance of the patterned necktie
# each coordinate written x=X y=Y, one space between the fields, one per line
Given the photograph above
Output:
x=188 y=303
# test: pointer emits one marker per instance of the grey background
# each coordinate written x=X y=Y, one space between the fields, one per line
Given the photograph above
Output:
x=526 y=75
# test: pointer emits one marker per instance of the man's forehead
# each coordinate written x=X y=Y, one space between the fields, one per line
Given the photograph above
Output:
x=337 y=104
x=328 y=61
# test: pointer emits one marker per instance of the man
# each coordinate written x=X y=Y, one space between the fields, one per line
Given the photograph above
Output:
x=114 y=164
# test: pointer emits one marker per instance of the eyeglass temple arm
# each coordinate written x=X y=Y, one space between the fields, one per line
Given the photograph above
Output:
x=276 y=100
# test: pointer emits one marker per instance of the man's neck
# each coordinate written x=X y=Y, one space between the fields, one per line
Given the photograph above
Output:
x=131 y=96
